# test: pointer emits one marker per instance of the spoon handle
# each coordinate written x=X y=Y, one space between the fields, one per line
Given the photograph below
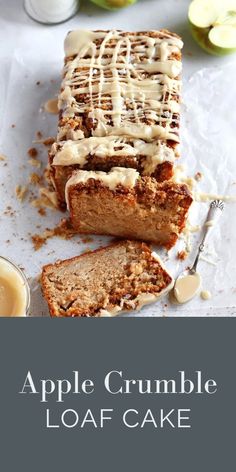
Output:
x=215 y=210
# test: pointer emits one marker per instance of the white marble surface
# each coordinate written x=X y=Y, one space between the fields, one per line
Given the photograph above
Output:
x=31 y=52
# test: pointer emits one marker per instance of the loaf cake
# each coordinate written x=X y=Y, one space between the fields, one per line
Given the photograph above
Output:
x=119 y=104
x=121 y=277
x=125 y=204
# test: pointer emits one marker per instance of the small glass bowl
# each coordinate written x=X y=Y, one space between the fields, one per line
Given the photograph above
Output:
x=42 y=12
x=14 y=268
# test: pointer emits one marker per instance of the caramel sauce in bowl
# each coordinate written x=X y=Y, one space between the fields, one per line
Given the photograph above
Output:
x=14 y=290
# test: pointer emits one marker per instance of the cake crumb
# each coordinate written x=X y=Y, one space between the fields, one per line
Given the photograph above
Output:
x=39 y=135
x=49 y=141
x=63 y=230
x=9 y=212
x=42 y=211
x=46 y=175
x=21 y=191
x=41 y=202
x=86 y=251
x=50 y=195
x=135 y=268
x=198 y=176
x=32 y=152
x=35 y=179
x=2 y=157
x=39 y=241
x=34 y=163
x=47 y=197
x=182 y=255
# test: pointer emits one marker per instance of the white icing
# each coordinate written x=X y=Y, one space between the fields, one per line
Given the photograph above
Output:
x=78 y=40
x=206 y=295
x=77 y=152
x=116 y=73
x=181 y=177
x=210 y=223
x=141 y=131
x=113 y=312
x=204 y=197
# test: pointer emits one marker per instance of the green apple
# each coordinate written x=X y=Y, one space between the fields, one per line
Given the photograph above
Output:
x=113 y=4
x=213 y=25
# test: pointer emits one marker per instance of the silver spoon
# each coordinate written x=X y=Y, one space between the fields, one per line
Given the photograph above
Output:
x=188 y=282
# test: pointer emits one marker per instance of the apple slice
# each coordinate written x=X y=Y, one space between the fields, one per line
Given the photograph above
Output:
x=203 y=13
x=223 y=36
x=213 y=24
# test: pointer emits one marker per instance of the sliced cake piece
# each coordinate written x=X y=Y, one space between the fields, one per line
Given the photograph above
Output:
x=155 y=158
x=124 y=204
x=121 y=277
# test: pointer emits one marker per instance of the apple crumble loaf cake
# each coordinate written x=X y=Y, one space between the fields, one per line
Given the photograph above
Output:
x=121 y=277
x=124 y=204
x=119 y=104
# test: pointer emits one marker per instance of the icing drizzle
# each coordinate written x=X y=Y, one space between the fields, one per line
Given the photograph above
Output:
x=125 y=84
x=78 y=152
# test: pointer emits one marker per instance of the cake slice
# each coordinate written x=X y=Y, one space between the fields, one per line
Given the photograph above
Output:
x=121 y=277
x=124 y=204
x=155 y=159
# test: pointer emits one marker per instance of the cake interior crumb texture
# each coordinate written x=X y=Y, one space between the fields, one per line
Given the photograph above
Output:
x=150 y=211
x=121 y=277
